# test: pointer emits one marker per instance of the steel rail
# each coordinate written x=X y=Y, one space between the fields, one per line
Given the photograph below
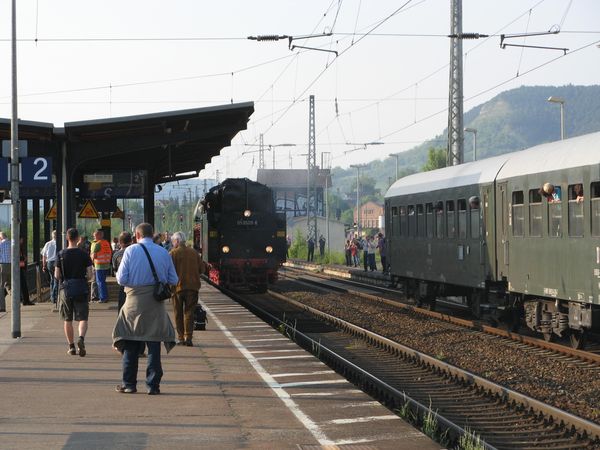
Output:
x=385 y=391
x=584 y=427
x=473 y=325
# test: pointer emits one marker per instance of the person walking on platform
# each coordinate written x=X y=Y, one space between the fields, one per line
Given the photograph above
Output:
x=142 y=318
x=5 y=255
x=101 y=255
x=348 y=253
x=73 y=269
x=188 y=266
x=48 y=266
x=23 y=273
x=371 y=247
x=124 y=242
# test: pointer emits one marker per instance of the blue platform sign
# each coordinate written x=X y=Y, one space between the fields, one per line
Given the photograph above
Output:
x=33 y=172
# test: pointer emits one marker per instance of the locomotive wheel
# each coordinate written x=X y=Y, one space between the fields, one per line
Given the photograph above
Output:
x=577 y=339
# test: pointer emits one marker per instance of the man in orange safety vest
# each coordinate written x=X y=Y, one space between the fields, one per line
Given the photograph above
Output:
x=101 y=255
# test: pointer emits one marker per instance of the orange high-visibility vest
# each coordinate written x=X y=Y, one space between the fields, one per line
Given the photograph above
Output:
x=105 y=254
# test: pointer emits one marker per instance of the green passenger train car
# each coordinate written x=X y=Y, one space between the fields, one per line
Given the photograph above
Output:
x=514 y=237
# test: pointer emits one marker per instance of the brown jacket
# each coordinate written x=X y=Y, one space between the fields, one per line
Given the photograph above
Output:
x=189 y=266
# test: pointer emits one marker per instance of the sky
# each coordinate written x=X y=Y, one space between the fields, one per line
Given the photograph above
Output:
x=82 y=60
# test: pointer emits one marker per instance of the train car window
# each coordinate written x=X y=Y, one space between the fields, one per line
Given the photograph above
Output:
x=518 y=214
x=576 y=210
x=474 y=216
x=439 y=220
x=554 y=218
x=395 y=221
x=462 y=218
x=403 y=223
x=595 y=195
x=420 y=221
x=450 y=220
x=412 y=221
x=535 y=213
x=429 y=219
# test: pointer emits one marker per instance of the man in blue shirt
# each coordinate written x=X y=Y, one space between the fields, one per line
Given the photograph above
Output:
x=4 y=269
x=143 y=319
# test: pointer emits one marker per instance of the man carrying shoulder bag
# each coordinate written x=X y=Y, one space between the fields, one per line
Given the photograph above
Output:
x=73 y=270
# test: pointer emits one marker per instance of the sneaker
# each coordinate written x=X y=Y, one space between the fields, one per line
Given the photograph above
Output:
x=189 y=343
x=154 y=391
x=180 y=342
x=125 y=390
x=71 y=351
x=81 y=347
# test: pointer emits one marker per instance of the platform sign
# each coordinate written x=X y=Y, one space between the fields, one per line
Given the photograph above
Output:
x=124 y=183
x=88 y=211
x=33 y=172
x=51 y=214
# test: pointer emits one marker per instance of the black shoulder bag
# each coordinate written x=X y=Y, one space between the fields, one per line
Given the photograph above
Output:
x=162 y=291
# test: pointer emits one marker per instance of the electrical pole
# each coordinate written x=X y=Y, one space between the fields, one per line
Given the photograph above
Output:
x=455 y=154
x=15 y=285
x=311 y=194
x=357 y=167
x=326 y=169
x=261 y=152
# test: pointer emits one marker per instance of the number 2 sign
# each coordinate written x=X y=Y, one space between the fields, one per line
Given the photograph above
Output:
x=33 y=171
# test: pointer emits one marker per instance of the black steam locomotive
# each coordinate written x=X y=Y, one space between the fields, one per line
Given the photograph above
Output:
x=243 y=239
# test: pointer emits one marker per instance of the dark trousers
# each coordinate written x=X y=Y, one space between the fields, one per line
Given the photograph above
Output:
x=184 y=304
x=384 y=263
x=348 y=258
x=311 y=253
x=24 y=287
x=365 y=260
x=51 y=265
x=372 y=264
x=122 y=298
x=131 y=355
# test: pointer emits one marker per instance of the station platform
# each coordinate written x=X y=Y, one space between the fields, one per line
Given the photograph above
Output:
x=243 y=385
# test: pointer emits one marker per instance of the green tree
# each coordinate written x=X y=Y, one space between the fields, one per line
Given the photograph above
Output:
x=436 y=159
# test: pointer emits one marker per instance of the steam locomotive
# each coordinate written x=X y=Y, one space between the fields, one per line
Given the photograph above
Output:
x=242 y=238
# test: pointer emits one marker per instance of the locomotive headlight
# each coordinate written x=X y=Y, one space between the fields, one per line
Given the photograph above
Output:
x=269 y=249
x=247 y=213
x=225 y=249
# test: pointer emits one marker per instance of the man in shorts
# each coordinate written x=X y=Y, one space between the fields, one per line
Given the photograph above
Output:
x=73 y=270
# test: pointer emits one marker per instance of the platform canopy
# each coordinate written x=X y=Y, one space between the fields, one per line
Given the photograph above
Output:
x=169 y=145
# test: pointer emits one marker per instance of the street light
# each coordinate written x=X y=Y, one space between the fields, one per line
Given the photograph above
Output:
x=474 y=131
x=396 y=156
x=553 y=99
x=358 y=167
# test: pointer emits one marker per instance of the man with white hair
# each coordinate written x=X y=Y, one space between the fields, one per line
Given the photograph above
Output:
x=49 y=256
x=188 y=266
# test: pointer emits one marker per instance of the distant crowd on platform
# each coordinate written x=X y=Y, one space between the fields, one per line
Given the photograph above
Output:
x=368 y=245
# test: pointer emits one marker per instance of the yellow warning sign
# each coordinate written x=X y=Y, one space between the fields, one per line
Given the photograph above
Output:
x=51 y=215
x=118 y=214
x=105 y=223
x=88 y=211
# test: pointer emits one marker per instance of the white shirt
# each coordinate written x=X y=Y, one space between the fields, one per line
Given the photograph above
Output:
x=49 y=250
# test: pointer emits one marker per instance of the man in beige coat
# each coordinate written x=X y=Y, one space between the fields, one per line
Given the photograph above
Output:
x=188 y=266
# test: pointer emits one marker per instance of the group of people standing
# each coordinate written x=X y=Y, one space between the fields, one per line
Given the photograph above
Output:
x=368 y=246
x=142 y=321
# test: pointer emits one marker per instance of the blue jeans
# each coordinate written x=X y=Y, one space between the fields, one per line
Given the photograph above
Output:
x=101 y=282
x=131 y=355
x=50 y=265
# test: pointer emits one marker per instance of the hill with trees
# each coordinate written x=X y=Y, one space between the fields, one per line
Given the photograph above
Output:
x=513 y=120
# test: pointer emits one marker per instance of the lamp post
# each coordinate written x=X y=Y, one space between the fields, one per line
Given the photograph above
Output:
x=474 y=131
x=357 y=167
x=395 y=156
x=561 y=101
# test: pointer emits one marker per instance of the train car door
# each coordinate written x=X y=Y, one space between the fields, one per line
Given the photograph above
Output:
x=502 y=247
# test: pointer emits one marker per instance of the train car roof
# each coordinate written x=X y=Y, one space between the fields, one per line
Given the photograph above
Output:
x=477 y=172
x=574 y=152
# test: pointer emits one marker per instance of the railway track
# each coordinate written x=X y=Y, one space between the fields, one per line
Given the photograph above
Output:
x=587 y=358
x=415 y=384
